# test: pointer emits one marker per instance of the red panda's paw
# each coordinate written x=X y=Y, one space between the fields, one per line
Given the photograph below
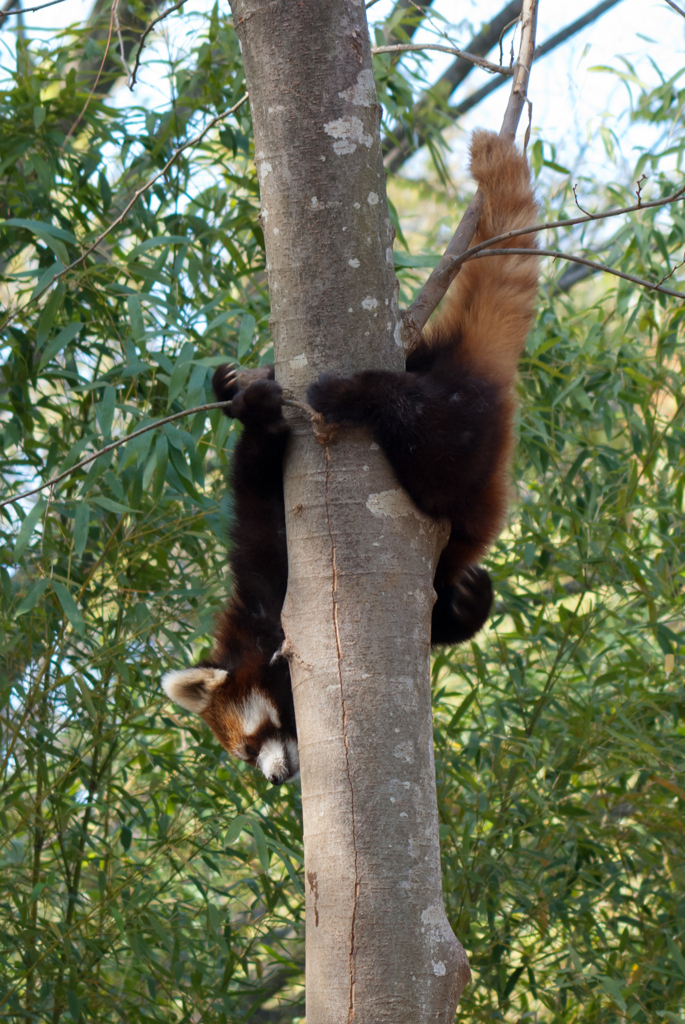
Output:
x=259 y=404
x=462 y=608
x=229 y=379
x=337 y=399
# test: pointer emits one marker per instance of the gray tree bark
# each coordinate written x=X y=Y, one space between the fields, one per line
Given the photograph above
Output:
x=361 y=558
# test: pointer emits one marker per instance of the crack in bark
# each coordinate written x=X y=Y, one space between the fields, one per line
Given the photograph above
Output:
x=336 y=626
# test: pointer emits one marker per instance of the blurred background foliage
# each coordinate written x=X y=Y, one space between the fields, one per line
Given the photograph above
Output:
x=146 y=877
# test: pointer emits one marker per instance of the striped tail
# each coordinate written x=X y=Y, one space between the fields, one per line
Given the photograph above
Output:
x=489 y=307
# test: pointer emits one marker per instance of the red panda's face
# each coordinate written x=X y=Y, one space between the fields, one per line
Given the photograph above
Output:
x=247 y=724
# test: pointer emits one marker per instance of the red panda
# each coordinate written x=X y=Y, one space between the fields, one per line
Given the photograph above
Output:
x=242 y=690
x=446 y=427
x=446 y=424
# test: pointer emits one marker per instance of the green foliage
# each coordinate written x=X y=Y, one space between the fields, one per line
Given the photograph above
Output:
x=144 y=875
x=561 y=735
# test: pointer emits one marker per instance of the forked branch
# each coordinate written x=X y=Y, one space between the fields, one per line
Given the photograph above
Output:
x=495 y=69
x=146 y=33
x=474 y=254
x=416 y=316
x=136 y=433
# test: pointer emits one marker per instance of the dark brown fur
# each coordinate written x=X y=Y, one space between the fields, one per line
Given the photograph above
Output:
x=446 y=426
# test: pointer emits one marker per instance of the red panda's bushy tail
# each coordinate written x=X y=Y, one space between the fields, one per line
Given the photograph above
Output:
x=489 y=306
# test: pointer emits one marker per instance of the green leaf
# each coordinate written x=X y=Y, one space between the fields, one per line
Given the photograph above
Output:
x=135 y=312
x=38 y=116
x=613 y=990
x=27 y=528
x=104 y=410
x=69 y=607
x=39 y=226
x=74 y=1005
x=81 y=523
x=555 y=167
x=155 y=243
x=196 y=386
x=676 y=954
x=235 y=828
x=245 y=335
x=36 y=891
x=110 y=505
x=125 y=837
x=405 y=259
x=87 y=697
x=461 y=710
x=35 y=591
x=64 y=338
x=161 y=462
x=260 y=843
x=48 y=315
x=45 y=279
x=180 y=372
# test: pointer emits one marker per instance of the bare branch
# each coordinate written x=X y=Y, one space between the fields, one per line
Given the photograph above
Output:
x=7 y=11
x=556 y=254
x=398 y=147
x=675 y=7
x=122 y=48
x=459 y=109
x=97 y=79
x=129 y=437
x=519 y=89
x=136 y=196
x=439 y=281
x=502 y=34
x=585 y=219
x=146 y=33
x=499 y=69
x=443 y=271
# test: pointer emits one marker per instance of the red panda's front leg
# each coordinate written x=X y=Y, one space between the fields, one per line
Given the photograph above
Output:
x=242 y=690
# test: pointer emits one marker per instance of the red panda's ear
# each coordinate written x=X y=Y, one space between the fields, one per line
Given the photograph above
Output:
x=192 y=687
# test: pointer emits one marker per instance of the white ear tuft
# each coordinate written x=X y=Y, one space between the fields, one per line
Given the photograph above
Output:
x=192 y=687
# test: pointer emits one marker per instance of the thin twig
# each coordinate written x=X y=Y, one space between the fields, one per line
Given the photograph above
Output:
x=459 y=109
x=519 y=88
x=129 y=437
x=136 y=196
x=672 y=272
x=514 y=21
x=115 y=8
x=146 y=33
x=95 y=83
x=679 y=194
x=555 y=254
x=675 y=7
x=7 y=11
x=148 y=185
x=499 y=69
x=439 y=281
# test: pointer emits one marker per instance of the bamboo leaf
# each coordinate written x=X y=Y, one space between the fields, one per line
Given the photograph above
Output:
x=27 y=527
x=81 y=522
x=35 y=592
x=69 y=607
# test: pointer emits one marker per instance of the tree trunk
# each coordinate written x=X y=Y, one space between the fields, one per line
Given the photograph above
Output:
x=361 y=558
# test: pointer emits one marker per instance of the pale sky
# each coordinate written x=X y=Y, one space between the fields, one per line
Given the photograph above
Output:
x=570 y=101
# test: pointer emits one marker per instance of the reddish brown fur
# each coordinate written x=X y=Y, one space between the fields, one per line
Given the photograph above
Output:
x=446 y=425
